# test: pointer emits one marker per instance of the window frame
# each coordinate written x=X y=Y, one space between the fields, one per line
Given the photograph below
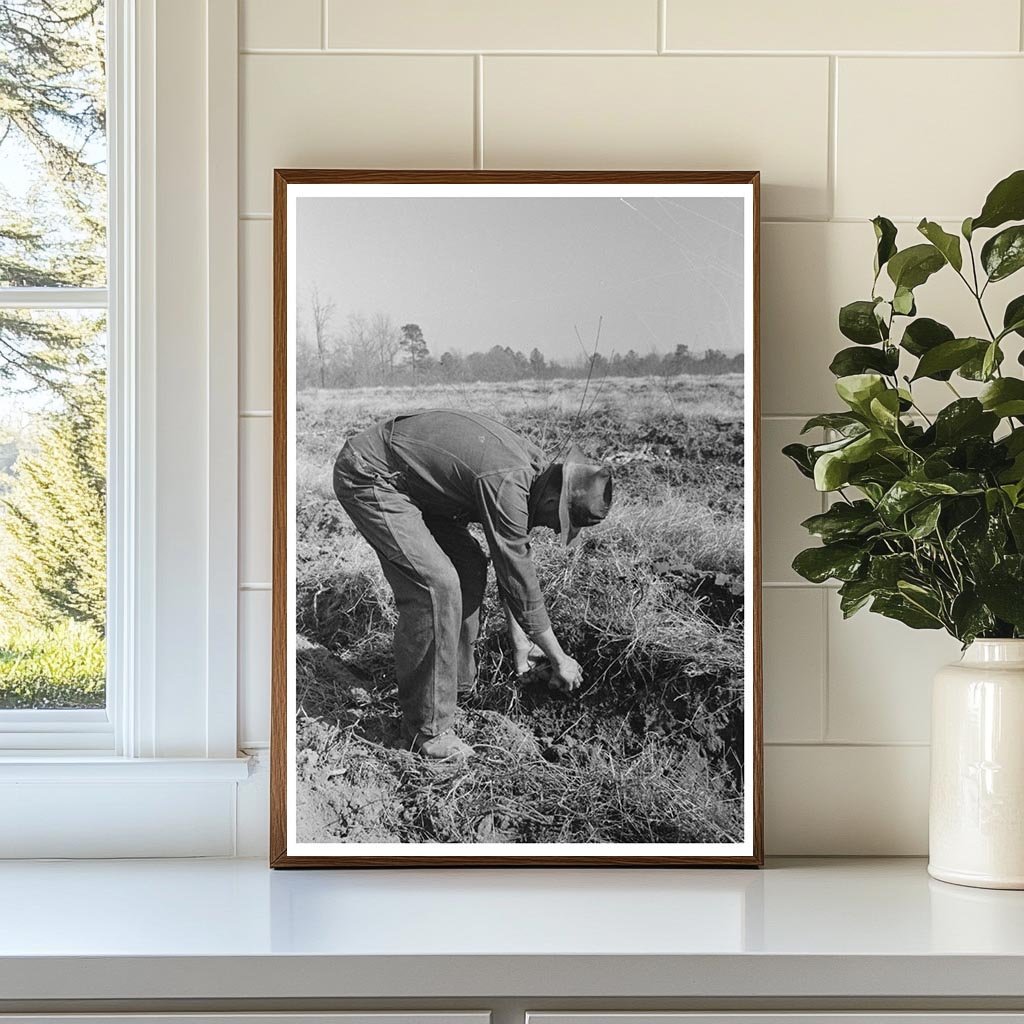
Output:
x=77 y=730
x=169 y=151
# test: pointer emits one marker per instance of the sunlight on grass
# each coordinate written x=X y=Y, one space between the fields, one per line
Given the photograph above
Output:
x=63 y=667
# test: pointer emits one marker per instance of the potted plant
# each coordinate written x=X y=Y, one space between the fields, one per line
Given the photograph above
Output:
x=927 y=521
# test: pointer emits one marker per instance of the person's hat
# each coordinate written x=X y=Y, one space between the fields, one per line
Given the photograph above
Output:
x=586 y=494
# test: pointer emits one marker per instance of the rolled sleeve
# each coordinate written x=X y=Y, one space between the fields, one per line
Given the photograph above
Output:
x=503 y=502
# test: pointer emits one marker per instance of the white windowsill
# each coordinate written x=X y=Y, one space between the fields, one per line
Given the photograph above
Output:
x=188 y=930
x=77 y=766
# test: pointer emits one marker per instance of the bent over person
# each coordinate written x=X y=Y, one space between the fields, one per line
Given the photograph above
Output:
x=411 y=485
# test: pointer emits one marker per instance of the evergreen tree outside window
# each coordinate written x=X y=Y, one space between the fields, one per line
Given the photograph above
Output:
x=53 y=386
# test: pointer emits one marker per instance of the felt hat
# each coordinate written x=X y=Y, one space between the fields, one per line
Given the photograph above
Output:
x=586 y=494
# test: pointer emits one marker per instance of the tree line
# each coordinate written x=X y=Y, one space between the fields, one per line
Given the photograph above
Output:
x=370 y=351
x=53 y=466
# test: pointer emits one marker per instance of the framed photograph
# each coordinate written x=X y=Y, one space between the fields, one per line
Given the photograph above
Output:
x=516 y=611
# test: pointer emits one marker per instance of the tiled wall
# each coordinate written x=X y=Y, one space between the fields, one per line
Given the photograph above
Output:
x=907 y=108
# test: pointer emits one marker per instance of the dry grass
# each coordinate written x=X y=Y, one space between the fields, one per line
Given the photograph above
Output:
x=651 y=604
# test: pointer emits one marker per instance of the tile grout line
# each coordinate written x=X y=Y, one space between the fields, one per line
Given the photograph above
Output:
x=798 y=585
x=852 y=744
x=824 y=723
x=826 y=651
x=258 y=51
x=260 y=215
x=1020 y=25
x=833 y=134
x=662 y=29
x=323 y=24
x=478 y=111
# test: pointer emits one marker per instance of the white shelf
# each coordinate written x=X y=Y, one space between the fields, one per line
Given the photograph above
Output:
x=222 y=929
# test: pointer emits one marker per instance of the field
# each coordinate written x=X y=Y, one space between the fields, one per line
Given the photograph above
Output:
x=651 y=604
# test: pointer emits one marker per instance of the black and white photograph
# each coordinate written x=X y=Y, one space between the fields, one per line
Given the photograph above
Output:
x=515 y=536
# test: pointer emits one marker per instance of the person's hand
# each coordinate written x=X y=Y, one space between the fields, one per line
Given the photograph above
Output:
x=566 y=675
x=527 y=657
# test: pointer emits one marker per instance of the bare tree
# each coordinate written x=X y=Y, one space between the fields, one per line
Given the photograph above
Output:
x=362 y=350
x=323 y=311
x=387 y=341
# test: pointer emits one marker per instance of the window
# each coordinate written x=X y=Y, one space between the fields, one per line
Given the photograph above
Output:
x=53 y=372
x=118 y=259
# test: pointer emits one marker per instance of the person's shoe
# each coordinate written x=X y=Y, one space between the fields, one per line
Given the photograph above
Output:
x=441 y=748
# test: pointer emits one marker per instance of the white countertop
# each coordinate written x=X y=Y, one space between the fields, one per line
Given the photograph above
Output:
x=233 y=929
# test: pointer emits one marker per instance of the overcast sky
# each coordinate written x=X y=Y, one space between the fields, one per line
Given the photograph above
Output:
x=522 y=272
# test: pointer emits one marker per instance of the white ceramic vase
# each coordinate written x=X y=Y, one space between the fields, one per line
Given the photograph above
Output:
x=976 y=816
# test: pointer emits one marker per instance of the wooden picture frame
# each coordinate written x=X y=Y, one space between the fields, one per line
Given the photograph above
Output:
x=286 y=850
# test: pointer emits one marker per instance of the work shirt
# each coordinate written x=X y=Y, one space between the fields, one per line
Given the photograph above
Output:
x=471 y=468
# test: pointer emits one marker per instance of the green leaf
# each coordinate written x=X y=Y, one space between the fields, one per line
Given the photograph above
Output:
x=858 y=389
x=834 y=446
x=863 y=447
x=849 y=361
x=1005 y=596
x=857 y=321
x=912 y=267
x=887 y=570
x=897 y=607
x=885 y=238
x=903 y=302
x=833 y=420
x=950 y=355
x=799 y=455
x=981 y=537
x=841 y=561
x=994 y=499
x=1003 y=254
x=1005 y=202
x=970 y=617
x=965 y=229
x=974 y=368
x=885 y=409
x=1013 y=491
x=1014 y=441
x=947 y=244
x=966 y=417
x=990 y=360
x=925 y=518
x=855 y=594
x=878 y=471
x=963 y=481
x=842 y=521
x=1013 y=474
x=1013 y=317
x=872 y=491
x=831 y=471
x=925 y=334
x=1004 y=397
x=906 y=494
x=1015 y=519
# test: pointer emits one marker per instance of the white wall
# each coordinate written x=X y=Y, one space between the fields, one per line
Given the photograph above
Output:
x=906 y=109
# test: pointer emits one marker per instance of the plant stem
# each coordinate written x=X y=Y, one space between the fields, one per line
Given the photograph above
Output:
x=924 y=415
x=978 y=293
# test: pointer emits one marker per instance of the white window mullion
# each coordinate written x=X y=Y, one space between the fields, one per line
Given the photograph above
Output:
x=126 y=674
x=53 y=298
